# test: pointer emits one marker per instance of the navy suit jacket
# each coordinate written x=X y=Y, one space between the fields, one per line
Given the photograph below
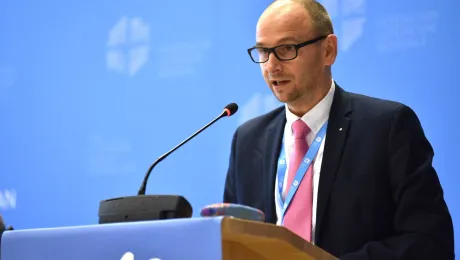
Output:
x=379 y=196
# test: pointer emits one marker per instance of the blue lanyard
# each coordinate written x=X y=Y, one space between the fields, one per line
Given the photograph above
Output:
x=308 y=158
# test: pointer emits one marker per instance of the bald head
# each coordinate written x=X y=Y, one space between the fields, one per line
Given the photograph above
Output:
x=308 y=14
x=288 y=15
x=284 y=8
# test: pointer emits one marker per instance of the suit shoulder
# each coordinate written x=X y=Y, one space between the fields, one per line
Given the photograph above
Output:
x=373 y=107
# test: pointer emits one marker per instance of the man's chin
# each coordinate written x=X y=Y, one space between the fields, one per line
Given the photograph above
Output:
x=283 y=98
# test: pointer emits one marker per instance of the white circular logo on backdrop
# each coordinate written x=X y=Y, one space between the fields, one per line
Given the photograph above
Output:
x=128 y=46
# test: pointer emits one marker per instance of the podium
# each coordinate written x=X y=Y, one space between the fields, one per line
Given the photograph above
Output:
x=212 y=238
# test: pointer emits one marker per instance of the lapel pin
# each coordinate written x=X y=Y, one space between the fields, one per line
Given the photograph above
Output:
x=340 y=129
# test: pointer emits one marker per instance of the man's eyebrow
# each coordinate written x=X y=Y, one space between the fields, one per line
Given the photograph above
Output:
x=280 y=41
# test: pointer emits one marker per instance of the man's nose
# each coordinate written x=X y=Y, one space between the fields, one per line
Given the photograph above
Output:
x=273 y=65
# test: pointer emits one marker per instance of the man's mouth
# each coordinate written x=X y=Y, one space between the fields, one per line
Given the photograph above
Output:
x=278 y=83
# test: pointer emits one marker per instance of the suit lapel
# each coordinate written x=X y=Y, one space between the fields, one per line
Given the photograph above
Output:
x=335 y=140
x=273 y=138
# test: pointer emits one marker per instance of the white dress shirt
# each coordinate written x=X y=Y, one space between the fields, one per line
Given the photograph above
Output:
x=315 y=118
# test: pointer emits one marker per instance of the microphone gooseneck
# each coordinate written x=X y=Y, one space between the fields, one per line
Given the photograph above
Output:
x=229 y=110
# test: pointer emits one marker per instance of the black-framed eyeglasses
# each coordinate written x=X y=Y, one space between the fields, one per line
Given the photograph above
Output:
x=283 y=52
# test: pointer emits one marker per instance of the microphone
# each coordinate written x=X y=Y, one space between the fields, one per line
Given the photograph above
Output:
x=153 y=207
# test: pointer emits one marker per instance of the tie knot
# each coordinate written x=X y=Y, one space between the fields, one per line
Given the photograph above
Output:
x=300 y=129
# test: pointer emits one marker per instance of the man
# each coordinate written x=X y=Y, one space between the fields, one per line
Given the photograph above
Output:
x=366 y=188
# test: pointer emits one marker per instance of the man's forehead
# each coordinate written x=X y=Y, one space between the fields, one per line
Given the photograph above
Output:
x=286 y=17
x=278 y=33
x=282 y=24
x=271 y=40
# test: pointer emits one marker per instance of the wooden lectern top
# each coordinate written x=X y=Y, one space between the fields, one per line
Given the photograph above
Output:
x=244 y=239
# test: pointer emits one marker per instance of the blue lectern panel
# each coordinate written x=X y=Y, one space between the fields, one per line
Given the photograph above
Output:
x=198 y=238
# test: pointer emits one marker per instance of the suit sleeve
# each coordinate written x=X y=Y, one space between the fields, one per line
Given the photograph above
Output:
x=230 y=186
x=422 y=220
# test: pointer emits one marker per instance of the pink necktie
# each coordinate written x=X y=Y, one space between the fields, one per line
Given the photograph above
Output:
x=298 y=217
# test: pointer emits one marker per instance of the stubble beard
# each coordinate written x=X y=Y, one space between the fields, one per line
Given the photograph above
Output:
x=293 y=96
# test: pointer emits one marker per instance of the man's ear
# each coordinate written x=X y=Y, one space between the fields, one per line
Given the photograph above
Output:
x=330 y=49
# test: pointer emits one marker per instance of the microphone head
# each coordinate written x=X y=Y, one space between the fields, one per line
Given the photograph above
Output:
x=233 y=210
x=231 y=109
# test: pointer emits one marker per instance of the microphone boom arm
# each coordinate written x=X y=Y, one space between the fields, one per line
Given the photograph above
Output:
x=143 y=187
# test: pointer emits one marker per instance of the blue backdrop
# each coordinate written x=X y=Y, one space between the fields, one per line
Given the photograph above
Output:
x=91 y=92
